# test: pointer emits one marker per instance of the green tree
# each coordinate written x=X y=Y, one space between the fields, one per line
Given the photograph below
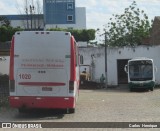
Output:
x=4 y=21
x=80 y=35
x=6 y=33
x=129 y=28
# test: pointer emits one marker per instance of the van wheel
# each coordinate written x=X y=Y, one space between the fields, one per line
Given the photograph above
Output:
x=152 y=88
x=22 y=110
x=131 y=89
x=71 y=110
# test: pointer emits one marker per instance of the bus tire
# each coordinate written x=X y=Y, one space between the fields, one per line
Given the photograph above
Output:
x=71 y=110
x=22 y=110
x=152 y=88
x=130 y=89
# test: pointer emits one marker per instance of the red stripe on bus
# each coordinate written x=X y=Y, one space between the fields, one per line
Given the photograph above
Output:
x=41 y=83
x=11 y=69
x=42 y=102
x=73 y=61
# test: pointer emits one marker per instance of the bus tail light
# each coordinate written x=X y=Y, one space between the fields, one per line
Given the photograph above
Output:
x=12 y=85
x=11 y=72
x=71 y=86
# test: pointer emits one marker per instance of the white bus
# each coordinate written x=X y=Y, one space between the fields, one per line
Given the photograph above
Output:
x=141 y=73
x=44 y=70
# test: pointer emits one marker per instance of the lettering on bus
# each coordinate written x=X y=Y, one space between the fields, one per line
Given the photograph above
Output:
x=42 y=63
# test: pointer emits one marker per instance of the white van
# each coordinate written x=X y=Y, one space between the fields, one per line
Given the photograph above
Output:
x=44 y=70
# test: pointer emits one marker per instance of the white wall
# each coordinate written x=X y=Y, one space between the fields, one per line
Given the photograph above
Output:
x=4 y=65
x=81 y=17
x=23 y=23
x=113 y=54
x=98 y=53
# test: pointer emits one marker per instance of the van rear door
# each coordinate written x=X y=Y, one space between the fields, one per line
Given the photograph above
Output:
x=42 y=64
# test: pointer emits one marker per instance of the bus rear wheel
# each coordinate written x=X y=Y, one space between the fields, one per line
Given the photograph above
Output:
x=71 y=110
x=130 y=89
x=23 y=110
x=152 y=88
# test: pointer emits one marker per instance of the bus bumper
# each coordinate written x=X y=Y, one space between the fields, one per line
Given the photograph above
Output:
x=142 y=85
x=42 y=102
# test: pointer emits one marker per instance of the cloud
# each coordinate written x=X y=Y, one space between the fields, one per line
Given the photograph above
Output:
x=13 y=6
x=6 y=9
x=87 y=3
x=99 y=12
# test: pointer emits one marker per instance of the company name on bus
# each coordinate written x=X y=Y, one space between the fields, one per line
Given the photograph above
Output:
x=43 y=60
x=43 y=63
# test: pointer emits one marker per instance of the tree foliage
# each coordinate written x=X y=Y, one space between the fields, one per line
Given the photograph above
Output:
x=6 y=33
x=4 y=21
x=129 y=28
x=80 y=35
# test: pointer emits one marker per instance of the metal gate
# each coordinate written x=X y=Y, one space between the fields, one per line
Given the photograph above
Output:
x=122 y=75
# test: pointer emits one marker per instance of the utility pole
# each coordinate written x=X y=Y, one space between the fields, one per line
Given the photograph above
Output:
x=106 y=78
x=105 y=40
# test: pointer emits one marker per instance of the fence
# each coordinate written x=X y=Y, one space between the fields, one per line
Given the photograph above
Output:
x=4 y=89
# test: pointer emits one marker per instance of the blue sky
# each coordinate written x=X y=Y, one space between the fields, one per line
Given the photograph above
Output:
x=98 y=11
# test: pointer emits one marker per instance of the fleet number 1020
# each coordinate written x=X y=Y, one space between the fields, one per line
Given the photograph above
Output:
x=25 y=76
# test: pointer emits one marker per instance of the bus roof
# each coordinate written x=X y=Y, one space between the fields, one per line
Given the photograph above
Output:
x=140 y=58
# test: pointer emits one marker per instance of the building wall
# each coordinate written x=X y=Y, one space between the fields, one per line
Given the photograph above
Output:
x=114 y=54
x=97 y=55
x=4 y=64
x=56 y=11
x=81 y=18
x=23 y=24
x=129 y=53
x=21 y=21
x=80 y=21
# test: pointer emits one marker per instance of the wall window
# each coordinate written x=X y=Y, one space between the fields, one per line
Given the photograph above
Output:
x=70 y=6
x=81 y=59
x=69 y=17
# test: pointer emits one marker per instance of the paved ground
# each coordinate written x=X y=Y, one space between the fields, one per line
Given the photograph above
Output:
x=102 y=105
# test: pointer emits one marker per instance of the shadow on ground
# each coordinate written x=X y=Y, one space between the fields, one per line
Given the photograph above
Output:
x=41 y=114
x=118 y=89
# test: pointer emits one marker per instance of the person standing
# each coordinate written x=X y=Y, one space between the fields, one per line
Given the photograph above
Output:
x=102 y=80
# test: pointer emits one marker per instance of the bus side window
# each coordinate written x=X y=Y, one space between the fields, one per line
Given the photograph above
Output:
x=81 y=59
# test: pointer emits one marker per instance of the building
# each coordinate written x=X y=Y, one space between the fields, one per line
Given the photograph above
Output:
x=63 y=14
x=117 y=58
x=56 y=14
x=26 y=21
x=59 y=12
x=93 y=56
